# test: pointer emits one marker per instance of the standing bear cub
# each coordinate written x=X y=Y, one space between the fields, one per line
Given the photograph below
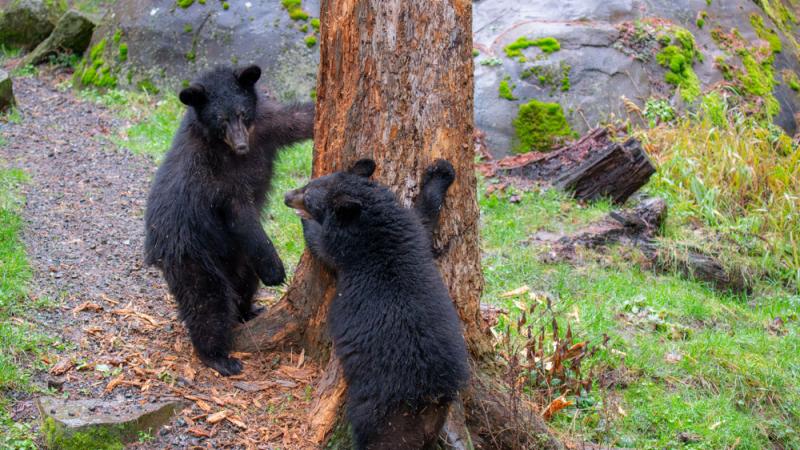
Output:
x=202 y=223
x=393 y=324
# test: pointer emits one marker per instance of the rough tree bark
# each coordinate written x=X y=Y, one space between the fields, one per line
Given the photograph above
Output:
x=395 y=84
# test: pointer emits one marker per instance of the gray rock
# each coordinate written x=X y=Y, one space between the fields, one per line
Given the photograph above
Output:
x=599 y=73
x=165 y=46
x=6 y=91
x=71 y=34
x=80 y=423
x=26 y=23
x=168 y=45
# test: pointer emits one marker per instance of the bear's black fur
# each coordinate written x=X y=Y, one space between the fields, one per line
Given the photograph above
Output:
x=202 y=223
x=392 y=321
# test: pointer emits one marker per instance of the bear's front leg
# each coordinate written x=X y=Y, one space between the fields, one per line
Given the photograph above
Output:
x=245 y=227
x=312 y=232
x=437 y=179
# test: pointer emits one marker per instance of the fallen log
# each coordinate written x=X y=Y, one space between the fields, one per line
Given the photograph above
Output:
x=639 y=227
x=593 y=167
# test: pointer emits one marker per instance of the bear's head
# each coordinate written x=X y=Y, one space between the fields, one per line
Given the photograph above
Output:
x=351 y=212
x=339 y=196
x=224 y=101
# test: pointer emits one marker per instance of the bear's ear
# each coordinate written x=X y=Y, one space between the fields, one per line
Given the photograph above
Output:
x=248 y=76
x=346 y=208
x=194 y=95
x=363 y=168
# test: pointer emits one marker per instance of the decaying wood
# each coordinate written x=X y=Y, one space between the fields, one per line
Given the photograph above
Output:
x=639 y=227
x=594 y=167
x=696 y=265
x=395 y=84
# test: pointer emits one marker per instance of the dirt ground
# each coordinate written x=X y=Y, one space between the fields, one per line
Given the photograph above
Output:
x=84 y=237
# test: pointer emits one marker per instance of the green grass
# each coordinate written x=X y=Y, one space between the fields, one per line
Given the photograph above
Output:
x=153 y=120
x=281 y=223
x=732 y=370
x=20 y=343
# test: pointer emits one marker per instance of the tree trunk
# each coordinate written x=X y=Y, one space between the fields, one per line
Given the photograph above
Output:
x=396 y=85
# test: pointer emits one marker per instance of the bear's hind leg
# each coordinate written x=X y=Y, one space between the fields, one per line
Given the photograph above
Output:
x=245 y=281
x=404 y=429
x=207 y=306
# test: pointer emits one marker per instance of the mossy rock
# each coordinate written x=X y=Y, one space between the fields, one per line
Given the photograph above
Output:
x=26 y=23
x=541 y=127
x=155 y=44
x=658 y=50
x=99 y=424
x=72 y=33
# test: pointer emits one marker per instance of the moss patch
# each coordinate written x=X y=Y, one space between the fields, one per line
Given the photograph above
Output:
x=791 y=79
x=759 y=80
x=702 y=16
x=93 y=70
x=315 y=23
x=547 y=45
x=554 y=78
x=310 y=41
x=93 y=438
x=123 y=52
x=679 y=58
x=755 y=78
x=185 y=3
x=767 y=34
x=506 y=89
x=295 y=9
x=540 y=126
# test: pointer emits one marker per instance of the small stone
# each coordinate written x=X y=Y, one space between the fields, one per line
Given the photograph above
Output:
x=66 y=423
x=7 y=99
x=55 y=383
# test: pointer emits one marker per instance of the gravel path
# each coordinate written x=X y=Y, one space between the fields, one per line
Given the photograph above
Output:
x=84 y=236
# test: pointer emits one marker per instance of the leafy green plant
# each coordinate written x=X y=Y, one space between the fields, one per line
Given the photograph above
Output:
x=658 y=110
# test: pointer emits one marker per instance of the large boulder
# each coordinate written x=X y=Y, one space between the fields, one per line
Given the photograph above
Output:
x=584 y=62
x=71 y=34
x=26 y=23
x=164 y=44
x=606 y=59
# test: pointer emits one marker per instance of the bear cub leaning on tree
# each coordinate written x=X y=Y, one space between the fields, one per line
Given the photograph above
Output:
x=202 y=223
x=393 y=324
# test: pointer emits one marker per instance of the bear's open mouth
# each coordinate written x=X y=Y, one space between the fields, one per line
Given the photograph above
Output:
x=302 y=213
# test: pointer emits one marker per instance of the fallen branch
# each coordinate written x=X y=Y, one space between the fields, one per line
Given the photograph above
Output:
x=638 y=227
x=592 y=168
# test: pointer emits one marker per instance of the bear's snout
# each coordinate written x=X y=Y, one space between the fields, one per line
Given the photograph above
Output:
x=237 y=136
x=296 y=199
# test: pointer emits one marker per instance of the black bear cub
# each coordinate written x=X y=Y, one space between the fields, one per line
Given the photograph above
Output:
x=392 y=321
x=202 y=223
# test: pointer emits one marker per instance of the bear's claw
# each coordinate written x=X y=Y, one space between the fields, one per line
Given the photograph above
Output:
x=225 y=366
x=440 y=169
